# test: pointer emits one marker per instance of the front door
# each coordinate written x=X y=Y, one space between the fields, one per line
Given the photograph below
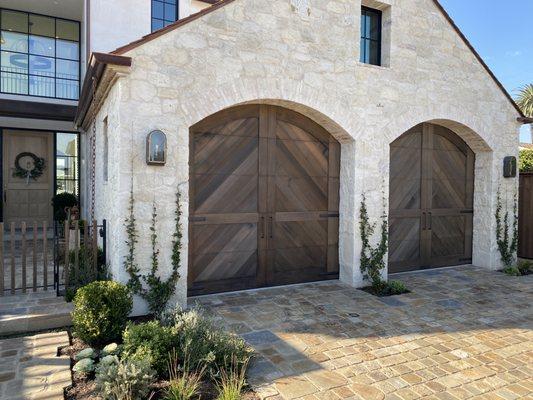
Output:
x=431 y=199
x=264 y=184
x=27 y=199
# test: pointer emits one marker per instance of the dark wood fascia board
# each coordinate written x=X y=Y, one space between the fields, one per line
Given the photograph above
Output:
x=37 y=110
x=525 y=120
x=95 y=71
x=209 y=1
x=476 y=54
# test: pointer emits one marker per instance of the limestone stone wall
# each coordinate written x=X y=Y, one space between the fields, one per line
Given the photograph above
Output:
x=303 y=55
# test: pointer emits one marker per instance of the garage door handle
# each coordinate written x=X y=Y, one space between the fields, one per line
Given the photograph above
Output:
x=270 y=226
x=424 y=223
x=430 y=221
x=262 y=227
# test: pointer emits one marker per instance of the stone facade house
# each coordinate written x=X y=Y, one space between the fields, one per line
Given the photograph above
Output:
x=279 y=116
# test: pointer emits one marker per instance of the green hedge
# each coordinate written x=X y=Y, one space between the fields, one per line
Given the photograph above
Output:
x=526 y=161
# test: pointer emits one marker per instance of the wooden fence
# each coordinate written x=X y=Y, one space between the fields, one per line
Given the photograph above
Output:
x=19 y=243
x=36 y=256
x=525 y=216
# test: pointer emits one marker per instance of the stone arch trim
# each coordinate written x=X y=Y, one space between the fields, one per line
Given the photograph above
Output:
x=331 y=114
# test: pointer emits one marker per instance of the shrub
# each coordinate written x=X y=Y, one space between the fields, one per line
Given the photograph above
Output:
x=61 y=201
x=397 y=287
x=232 y=383
x=127 y=379
x=184 y=385
x=206 y=343
x=525 y=267
x=151 y=341
x=101 y=312
x=526 y=161
x=84 y=366
x=84 y=273
x=512 y=271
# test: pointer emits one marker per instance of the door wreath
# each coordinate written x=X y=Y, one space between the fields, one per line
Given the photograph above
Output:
x=29 y=172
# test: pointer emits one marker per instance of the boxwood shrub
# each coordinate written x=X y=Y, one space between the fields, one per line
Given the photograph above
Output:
x=101 y=312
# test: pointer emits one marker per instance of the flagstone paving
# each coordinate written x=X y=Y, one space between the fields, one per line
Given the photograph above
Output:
x=30 y=368
x=461 y=333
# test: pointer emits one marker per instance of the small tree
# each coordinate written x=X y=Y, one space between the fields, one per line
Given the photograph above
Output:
x=526 y=161
x=507 y=241
x=373 y=258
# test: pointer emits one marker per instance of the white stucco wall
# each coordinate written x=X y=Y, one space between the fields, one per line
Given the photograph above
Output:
x=118 y=22
x=304 y=58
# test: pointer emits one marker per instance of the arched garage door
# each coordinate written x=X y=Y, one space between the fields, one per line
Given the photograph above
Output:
x=264 y=200
x=431 y=199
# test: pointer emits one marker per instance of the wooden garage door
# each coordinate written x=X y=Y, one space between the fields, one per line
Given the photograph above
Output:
x=431 y=199
x=264 y=190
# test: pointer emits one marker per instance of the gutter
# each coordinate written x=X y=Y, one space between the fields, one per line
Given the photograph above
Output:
x=96 y=69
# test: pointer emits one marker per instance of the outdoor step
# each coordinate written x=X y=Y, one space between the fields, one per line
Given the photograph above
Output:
x=33 y=312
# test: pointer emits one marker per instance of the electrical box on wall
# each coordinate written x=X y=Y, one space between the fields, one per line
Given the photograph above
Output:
x=509 y=167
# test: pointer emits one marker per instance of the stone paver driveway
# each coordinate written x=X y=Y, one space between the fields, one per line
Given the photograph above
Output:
x=461 y=333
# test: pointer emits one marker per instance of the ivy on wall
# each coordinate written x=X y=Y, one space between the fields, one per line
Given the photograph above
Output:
x=506 y=231
x=156 y=291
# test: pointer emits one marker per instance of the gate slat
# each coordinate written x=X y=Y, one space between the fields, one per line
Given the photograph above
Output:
x=1 y=258
x=67 y=255
x=45 y=255
x=23 y=232
x=34 y=256
x=95 y=250
x=86 y=246
x=12 y=248
x=76 y=249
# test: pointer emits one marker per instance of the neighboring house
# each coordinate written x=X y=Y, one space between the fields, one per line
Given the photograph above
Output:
x=279 y=116
x=44 y=49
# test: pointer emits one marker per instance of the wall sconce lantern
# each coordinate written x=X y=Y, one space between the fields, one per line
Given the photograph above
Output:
x=156 y=148
x=509 y=167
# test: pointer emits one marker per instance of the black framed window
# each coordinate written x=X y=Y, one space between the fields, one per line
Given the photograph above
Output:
x=370 y=36
x=67 y=162
x=39 y=55
x=164 y=12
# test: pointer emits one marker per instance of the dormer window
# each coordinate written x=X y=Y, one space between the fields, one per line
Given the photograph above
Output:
x=370 y=36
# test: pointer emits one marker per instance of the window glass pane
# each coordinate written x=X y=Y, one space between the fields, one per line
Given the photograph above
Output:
x=67 y=30
x=170 y=1
x=67 y=69
x=69 y=50
x=14 y=21
x=375 y=27
x=14 y=83
x=43 y=66
x=362 y=57
x=157 y=24
x=14 y=41
x=170 y=12
x=42 y=86
x=42 y=26
x=167 y=23
x=42 y=45
x=374 y=55
x=157 y=10
x=14 y=62
x=368 y=22
x=67 y=89
x=67 y=144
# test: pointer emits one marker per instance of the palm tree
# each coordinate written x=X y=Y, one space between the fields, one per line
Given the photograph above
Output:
x=525 y=99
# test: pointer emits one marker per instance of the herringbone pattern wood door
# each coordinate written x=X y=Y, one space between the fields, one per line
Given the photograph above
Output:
x=263 y=200
x=431 y=199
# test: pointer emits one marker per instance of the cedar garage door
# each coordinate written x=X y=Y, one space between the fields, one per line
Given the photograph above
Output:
x=264 y=200
x=431 y=199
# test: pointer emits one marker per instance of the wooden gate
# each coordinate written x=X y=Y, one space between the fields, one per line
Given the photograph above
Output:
x=525 y=216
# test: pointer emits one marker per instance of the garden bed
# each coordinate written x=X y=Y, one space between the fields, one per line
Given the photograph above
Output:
x=523 y=268
x=385 y=289
x=182 y=354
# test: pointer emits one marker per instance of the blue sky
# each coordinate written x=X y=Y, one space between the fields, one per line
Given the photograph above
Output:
x=502 y=33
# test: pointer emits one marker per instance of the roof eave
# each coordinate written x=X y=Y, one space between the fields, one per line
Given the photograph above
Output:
x=98 y=63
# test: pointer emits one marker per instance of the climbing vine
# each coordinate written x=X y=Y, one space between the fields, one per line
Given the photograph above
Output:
x=507 y=241
x=372 y=257
x=156 y=291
